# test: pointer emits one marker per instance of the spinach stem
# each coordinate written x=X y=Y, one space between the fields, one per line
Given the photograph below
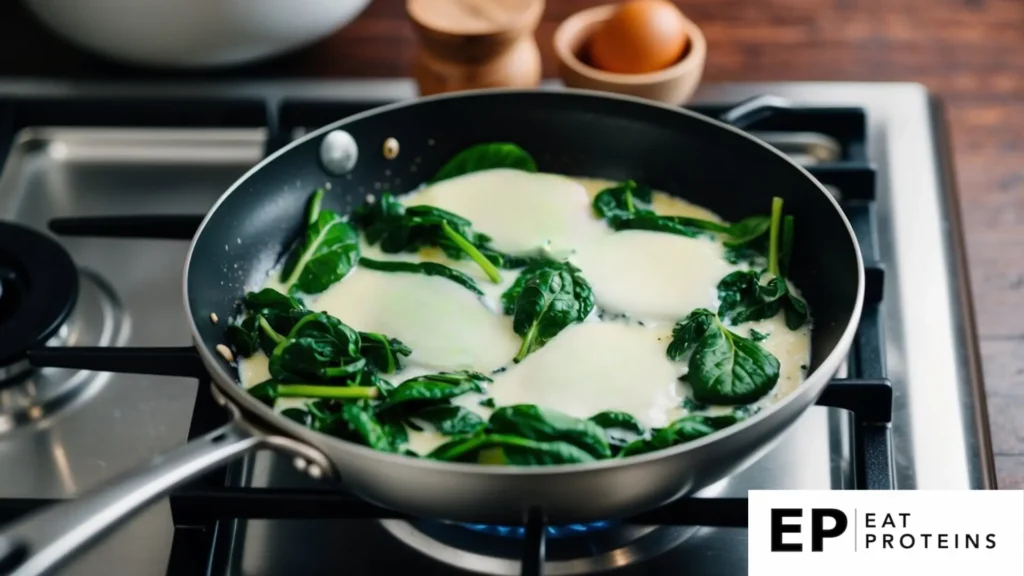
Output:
x=346 y=370
x=524 y=348
x=315 y=391
x=314 y=206
x=629 y=201
x=269 y=331
x=472 y=252
x=787 y=244
x=773 y=238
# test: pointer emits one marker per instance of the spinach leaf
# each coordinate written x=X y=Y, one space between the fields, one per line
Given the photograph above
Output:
x=746 y=231
x=451 y=420
x=398 y=228
x=329 y=250
x=612 y=419
x=551 y=299
x=320 y=348
x=745 y=298
x=268 y=300
x=425 y=268
x=614 y=424
x=488 y=403
x=515 y=451
x=299 y=416
x=485 y=157
x=654 y=223
x=511 y=295
x=687 y=333
x=357 y=423
x=724 y=368
x=627 y=206
x=397 y=435
x=685 y=429
x=382 y=353
x=623 y=201
x=243 y=337
x=691 y=405
x=434 y=387
x=545 y=425
x=280 y=313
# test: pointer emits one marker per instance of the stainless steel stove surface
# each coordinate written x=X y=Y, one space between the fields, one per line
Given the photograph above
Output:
x=74 y=150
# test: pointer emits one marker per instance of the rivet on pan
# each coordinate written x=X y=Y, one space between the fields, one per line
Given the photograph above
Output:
x=390 y=148
x=315 y=471
x=300 y=464
x=338 y=152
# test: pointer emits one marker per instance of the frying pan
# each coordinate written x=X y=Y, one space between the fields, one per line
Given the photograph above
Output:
x=709 y=162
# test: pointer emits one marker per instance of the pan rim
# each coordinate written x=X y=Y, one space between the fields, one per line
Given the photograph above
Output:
x=247 y=405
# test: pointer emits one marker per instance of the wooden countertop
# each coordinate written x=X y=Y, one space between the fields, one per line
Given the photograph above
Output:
x=969 y=52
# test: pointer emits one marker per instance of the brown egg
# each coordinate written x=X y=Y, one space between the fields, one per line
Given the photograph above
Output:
x=642 y=36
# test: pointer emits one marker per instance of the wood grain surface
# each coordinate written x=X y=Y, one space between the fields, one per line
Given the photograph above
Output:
x=969 y=52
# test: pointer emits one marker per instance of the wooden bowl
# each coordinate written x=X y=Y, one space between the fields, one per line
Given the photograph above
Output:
x=673 y=85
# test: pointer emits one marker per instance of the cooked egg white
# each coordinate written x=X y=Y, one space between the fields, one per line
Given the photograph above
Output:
x=643 y=282
x=518 y=210
x=653 y=276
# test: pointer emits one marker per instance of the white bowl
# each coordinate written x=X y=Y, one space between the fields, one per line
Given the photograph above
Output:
x=194 y=33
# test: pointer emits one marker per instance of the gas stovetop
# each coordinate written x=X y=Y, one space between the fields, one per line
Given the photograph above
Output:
x=906 y=411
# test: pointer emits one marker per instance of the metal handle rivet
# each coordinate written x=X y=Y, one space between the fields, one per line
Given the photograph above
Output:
x=338 y=152
x=300 y=464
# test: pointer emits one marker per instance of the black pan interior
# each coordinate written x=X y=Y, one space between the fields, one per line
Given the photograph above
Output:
x=568 y=133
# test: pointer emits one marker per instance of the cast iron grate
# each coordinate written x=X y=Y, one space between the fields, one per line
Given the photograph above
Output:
x=205 y=511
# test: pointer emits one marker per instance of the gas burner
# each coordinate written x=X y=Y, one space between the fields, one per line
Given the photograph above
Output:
x=589 y=548
x=589 y=552
x=29 y=395
x=38 y=289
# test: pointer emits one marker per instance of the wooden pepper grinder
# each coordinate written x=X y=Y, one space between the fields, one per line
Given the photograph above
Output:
x=467 y=44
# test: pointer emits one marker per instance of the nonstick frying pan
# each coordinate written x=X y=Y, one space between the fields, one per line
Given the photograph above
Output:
x=709 y=162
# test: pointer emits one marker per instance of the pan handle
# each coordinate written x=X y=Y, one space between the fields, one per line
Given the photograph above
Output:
x=48 y=539
x=753 y=110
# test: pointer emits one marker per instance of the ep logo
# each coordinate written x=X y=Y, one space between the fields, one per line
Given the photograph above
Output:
x=787 y=527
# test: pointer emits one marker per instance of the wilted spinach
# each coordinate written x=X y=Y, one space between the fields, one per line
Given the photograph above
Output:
x=545 y=425
x=627 y=206
x=425 y=268
x=329 y=249
x=685 y=429
x=434 y=387
x=399 y=228
x=485 y=157
x=270 y=314
x=514 y=450
x=724 y=368
x=320 y=348
x=383 y=354
x=357 y=422
x=550 y=298
x=619 y=428
x=511 y=295
x=451 y=420
x=614 y=419
x=743 y=296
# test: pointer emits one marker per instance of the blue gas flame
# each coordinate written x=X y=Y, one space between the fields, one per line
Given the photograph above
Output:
x=552 y=531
